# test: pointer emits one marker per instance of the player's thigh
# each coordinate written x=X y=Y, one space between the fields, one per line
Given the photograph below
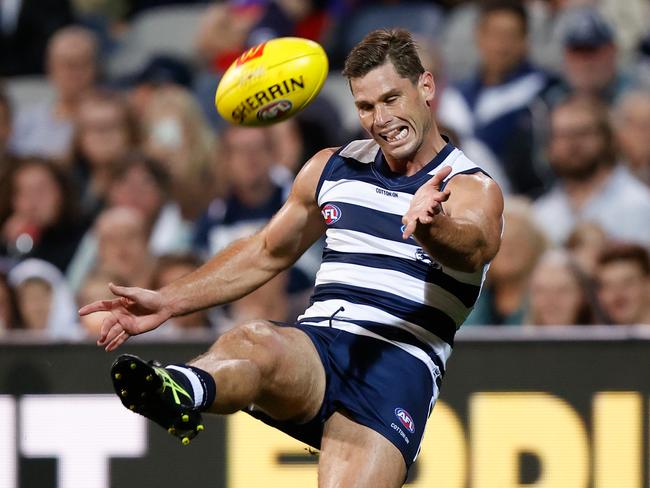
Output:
x=353 y=455
x=293 y=384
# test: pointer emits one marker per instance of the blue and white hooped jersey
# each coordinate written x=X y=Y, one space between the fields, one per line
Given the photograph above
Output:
x=372 y=282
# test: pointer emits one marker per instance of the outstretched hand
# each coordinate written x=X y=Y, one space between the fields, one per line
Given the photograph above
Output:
x=135 y=311
x=426 y=203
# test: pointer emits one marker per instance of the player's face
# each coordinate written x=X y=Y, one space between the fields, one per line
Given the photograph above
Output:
x=394 y=111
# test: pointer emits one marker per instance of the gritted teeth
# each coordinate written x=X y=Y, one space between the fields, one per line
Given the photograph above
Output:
x=395 y=134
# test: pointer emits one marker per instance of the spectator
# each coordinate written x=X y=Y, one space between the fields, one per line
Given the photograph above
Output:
x=161 y=72
x=169 y=268
x=230 y=27
x=38 y=213
x=44 y=300
x=176 y=134
x=107 y=132
x=560 y=293
x=590 y=186
x=494 y=105
x=503 y=300
x=143 y=183
x=590 y=59
x=122 y=247
x=26 y=27
x=140 y=183
x=223 y=30
x=632 y=126
x=585 y=244
x=46 y=128
x=624 y=283
x=9 y=316
x=306 y=18
x=257 y=189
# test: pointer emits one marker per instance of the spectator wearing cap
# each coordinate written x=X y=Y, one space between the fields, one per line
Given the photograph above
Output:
x=45 y=303
x=495 y=104
x=160 y=72
x=590 y=59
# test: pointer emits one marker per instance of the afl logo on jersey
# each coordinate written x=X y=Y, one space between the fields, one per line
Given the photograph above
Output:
x=331 y=213
x=405 y=419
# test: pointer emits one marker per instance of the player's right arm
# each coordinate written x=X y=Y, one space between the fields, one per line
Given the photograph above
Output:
x=239 y=269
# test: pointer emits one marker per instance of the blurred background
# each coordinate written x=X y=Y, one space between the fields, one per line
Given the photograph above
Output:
x=115 y=166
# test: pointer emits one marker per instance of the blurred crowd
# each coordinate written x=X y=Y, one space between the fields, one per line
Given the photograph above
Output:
x=121 y=170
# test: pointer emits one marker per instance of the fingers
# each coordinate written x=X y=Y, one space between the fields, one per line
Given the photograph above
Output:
x=123 y=291
x=118 y=341
x=409 y=227
x=98 y=306
x=440 y=176
x=109 y=329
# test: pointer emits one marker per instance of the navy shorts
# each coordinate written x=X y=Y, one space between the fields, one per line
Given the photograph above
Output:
x=376 y=383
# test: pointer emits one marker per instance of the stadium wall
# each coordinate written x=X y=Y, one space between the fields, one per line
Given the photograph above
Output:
x=553 y=409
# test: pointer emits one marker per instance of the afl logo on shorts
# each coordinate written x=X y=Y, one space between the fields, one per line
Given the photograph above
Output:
x=331 y=213
x=406 y=419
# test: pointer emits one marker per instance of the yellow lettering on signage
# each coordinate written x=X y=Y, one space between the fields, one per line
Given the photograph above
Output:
x=617 y=439
x=504 y=425
x=443 y=460
x=255 y=454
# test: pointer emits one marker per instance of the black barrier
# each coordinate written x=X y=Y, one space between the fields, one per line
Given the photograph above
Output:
x=561 y=408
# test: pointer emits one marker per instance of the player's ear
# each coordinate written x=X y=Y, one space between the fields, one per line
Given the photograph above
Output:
x=427 y=87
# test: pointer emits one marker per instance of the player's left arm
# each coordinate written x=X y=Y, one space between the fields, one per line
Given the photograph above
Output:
x=459 y=227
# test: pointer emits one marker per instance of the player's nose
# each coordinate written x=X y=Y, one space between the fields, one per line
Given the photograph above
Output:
x=381 y=116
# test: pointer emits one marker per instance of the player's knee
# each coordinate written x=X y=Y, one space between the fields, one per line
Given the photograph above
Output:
x=257 y=341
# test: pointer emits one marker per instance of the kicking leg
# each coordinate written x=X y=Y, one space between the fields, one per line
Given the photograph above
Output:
x=275 y=368
x=353 y=455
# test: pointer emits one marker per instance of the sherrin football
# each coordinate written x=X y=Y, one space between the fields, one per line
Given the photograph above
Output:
x=271 y=81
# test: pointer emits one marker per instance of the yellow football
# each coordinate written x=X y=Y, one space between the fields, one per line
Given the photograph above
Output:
x=271 y=81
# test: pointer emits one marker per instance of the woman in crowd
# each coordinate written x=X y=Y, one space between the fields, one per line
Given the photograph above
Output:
x=560 y=293
x=176 y=134
x=106 y=132
x=39 y=214
x=503 y=300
